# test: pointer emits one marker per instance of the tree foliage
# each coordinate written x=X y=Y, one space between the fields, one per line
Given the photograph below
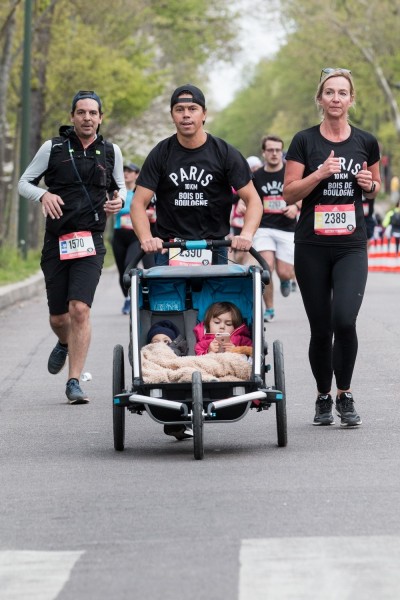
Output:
x=356 y=34
x=128 y=51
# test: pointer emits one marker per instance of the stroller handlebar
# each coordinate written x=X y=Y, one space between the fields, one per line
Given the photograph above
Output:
x=198 y=245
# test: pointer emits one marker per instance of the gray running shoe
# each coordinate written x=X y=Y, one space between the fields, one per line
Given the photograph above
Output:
x=286 y=288
x=323 y=410
x=57 y=358
x=75 y=393
x=346 y=411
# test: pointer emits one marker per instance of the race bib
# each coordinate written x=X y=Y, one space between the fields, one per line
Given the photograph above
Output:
x=189 y=257
x=276 y=204
x=334 y=219
x=76 y=245
x=125 y=221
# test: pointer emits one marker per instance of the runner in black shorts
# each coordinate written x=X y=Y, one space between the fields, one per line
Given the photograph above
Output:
x=330 y=167
x=79 y=169
x=71 y=279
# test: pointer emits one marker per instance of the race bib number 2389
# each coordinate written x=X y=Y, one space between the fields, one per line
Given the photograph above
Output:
x=334 y=219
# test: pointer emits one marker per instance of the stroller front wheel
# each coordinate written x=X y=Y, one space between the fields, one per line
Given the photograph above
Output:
x=197 y=415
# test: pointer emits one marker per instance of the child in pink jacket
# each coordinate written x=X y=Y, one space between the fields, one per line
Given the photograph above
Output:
x=222 y=330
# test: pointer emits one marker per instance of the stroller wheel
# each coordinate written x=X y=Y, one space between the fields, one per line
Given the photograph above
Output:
x=279 y=371
x=197 y=415
x=118 y=388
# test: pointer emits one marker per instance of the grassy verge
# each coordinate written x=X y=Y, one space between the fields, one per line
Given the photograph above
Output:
x=14 y=268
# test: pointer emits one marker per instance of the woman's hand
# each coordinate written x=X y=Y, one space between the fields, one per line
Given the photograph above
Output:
x=330 y=166
x=364 y=178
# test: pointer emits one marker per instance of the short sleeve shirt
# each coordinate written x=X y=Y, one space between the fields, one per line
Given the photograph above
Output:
x=311 y=149
x=269 y=186
x=194 y=187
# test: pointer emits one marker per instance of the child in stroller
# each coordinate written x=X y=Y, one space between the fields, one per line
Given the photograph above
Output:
x=223 y=330
x=166 y=331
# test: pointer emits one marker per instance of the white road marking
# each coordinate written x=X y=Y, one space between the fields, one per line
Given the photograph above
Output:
x=29 y=575
x=320 y=568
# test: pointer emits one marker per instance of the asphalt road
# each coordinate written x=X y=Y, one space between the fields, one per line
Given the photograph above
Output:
x=317 y=520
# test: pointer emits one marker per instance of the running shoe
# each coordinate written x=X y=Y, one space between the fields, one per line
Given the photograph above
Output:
x=269 y=315
x=286 y=287
x=346 y=411
x=294 y=286
x=323 y=410
x=57 y=358
x=126 y=309
x=75 y=393
x=181 y=432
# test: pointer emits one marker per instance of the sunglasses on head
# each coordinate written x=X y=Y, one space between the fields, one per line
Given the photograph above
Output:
x=329 y=70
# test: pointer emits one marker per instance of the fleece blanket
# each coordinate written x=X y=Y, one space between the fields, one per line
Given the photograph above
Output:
x=161 y=365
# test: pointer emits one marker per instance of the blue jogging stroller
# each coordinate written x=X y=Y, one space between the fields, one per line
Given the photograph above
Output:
x=182 y=294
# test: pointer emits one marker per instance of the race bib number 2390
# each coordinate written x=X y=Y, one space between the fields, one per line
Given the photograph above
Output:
x=189 y=257
x=334 y=219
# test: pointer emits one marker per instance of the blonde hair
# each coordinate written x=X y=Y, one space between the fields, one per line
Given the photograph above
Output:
x=324 y=78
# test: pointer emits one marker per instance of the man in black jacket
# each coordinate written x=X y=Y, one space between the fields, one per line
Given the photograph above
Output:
x=79 y=168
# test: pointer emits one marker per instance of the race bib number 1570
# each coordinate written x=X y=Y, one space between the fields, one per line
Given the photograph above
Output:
x=76 y=245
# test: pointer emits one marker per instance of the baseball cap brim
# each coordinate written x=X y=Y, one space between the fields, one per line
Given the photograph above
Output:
x=132 y=167
x=195 y=92
x=82 y=94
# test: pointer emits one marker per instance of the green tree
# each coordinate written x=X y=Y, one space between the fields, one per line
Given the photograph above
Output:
x=354 y=34
x=128 y=51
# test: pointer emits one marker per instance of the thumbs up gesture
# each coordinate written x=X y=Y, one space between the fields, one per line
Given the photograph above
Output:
x=364 y=178
x=330 y=166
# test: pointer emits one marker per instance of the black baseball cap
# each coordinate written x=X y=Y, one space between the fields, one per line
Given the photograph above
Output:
x=132 y=167
x=82 y=94
x=197 y=95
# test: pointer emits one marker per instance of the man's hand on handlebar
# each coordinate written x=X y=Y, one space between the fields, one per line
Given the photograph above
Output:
x=241 y=242
x=153 y=244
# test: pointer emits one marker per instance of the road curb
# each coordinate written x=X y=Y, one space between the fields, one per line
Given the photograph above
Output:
x=28 y=288
x=17 y=292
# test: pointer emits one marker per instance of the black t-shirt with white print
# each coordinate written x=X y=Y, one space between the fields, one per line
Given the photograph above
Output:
x=311 y=149
x=193 y=187
x=269 y=186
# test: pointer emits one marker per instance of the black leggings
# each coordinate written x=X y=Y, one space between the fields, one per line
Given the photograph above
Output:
x=125 y=246
x=332 y=282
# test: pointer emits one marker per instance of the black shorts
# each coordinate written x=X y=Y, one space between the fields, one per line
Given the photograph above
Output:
x=74 y=279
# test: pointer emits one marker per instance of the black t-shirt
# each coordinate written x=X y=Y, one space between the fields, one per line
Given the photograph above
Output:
x=269 y=187
x=311 y=149
x=193 y=187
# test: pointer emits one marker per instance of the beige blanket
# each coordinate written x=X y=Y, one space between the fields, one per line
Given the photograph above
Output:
x=161 y=365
